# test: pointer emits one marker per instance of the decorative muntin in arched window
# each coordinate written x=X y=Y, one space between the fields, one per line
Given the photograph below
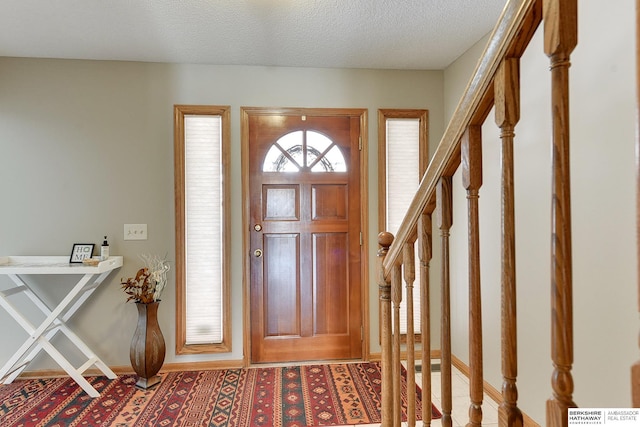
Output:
x=304 y=150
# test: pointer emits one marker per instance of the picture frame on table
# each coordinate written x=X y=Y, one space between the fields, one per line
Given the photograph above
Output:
x=80 y=252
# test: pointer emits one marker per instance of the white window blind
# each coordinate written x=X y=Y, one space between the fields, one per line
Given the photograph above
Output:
x=203 y=229
x=403 y=178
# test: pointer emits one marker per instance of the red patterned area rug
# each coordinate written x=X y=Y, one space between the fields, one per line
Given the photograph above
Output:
x=310 y=395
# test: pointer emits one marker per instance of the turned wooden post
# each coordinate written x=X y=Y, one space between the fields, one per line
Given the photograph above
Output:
x=424 y=253
x=409 y=257
x=396 y=299
x=560 y=38
x=507 y=114
x=471 y=152
x=635 y=369
x=444 y=207
x=384 y=291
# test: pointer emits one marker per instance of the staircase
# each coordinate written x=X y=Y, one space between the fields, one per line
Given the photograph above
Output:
x=494 y=86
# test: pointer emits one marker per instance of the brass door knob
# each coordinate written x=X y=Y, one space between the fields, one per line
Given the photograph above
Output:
x=257 y=253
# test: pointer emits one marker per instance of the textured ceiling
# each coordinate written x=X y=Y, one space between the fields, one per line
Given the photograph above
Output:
x=388 y=34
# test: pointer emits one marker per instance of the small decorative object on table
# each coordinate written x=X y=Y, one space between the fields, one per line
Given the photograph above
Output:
x=80 y=251
x=147 y=346
x=104 y=249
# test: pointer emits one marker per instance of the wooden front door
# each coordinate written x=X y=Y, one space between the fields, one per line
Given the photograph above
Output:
x=304 y=188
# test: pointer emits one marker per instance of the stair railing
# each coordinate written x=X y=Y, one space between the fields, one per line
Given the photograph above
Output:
x=495 y=83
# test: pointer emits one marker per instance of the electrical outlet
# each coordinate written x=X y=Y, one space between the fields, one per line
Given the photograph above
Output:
x=135 y=232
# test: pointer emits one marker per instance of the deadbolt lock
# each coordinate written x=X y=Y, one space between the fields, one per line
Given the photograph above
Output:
x=257 y=227
x=257 y=253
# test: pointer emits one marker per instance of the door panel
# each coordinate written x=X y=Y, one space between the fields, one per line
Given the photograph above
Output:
x=304 y=186
x=282 y=202
x=281 y=285
x=328 y=202
x=330 y=266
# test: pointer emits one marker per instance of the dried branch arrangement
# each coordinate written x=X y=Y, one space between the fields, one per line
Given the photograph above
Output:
x=149 y=282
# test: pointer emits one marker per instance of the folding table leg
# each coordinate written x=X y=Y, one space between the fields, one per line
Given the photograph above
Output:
x=62 y=326
x=34 y=333
x=73 y=372
x=87 y=352
x=30 y=342
x=91 y=356
x=55 y=320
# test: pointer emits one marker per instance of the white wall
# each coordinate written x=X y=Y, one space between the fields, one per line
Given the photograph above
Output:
x=87 y=146
x=603 y=204
x=458 y=74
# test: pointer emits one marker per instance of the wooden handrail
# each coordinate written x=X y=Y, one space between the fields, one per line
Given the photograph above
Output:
x=514 y=29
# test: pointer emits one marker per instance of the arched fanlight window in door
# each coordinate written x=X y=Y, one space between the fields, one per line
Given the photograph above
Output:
x=304 y=150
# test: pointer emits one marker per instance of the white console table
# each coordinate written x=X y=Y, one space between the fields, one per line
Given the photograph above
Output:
x=56 y=319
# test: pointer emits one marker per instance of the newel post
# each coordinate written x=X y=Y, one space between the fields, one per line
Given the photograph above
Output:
x=560 y=38
x=384 y=291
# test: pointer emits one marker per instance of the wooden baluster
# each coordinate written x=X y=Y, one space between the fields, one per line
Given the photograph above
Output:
x=444 y=206
x=471 y=153
x=507 y=114
x=396 y=298
x=409 y=257
x=384 y=291
x=424 y=253
x=635 y=369
x=560 y=38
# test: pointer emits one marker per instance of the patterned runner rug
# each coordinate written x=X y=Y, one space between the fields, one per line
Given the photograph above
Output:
x=310 y=395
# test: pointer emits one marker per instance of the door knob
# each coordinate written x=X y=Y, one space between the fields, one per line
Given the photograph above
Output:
x=257 y=253
x=257 y=227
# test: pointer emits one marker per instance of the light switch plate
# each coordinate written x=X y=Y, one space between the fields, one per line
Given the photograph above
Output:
x=135 y=232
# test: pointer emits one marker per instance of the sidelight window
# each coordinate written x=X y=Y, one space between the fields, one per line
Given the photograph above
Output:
x=402 y=160
x=202 y=220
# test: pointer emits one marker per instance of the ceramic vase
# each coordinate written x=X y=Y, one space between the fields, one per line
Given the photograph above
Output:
x=147 y=346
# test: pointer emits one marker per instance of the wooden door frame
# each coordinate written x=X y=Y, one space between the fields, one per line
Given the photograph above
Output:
x=245 y=113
